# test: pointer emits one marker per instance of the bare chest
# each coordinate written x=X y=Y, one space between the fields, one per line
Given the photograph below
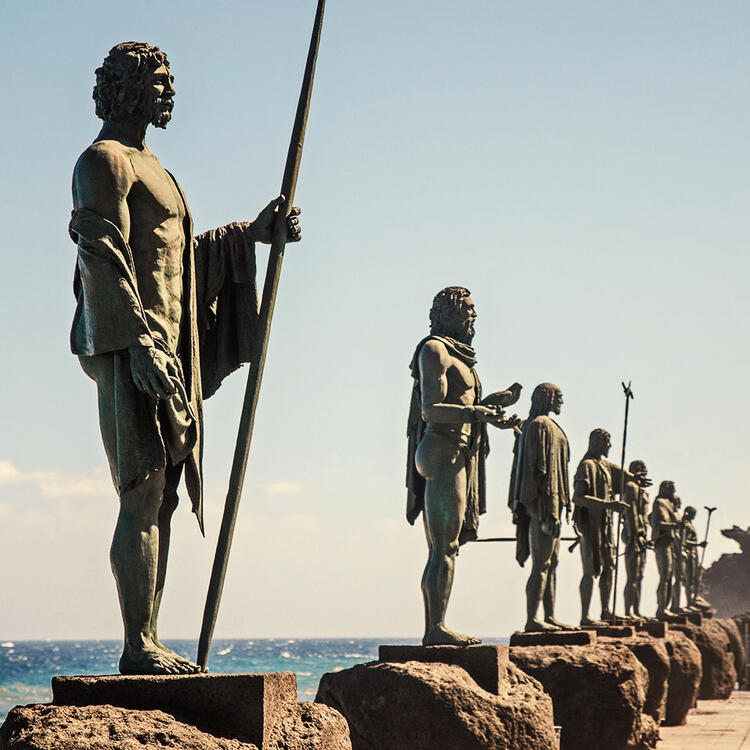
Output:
x=462 y=384
x=155 y=203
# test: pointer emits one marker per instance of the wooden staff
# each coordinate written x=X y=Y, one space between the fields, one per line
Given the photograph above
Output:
x=260 y=347
x=628 y=395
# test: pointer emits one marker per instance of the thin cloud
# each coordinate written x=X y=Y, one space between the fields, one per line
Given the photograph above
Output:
x=285 y=488
x=59 y=483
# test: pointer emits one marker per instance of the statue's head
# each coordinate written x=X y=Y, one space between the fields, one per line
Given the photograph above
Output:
x=600 y=441
x=690 y=512
x=546 y=398
x=637 y=467
x=676 y=502
x=453 y=315
x=667 y=489
x=134 y=81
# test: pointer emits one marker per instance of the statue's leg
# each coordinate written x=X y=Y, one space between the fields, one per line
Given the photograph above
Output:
x=134 y=558
x=663 y=552
x=166 y=510
x=541 y=546
x=628 y=593
x=639 y=562
x=586 y=586
x=443 y=466
x=677 y=584
x=605 y=581
x=550 y=591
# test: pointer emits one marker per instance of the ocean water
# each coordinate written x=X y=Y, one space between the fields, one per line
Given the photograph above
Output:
x=27 y=667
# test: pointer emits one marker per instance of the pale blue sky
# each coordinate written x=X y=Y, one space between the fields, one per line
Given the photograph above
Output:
x=581 y=167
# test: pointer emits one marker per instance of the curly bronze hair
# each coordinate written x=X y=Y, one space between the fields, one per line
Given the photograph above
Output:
x=444 y=307
x=120 y=91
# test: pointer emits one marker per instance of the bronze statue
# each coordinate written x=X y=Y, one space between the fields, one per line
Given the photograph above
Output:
x=675 y=591
x=162 y=318
x=539 y=493
x=691 y=566
x=447 y=435
x=635 y=536
x=595 y=482
x=663 y=528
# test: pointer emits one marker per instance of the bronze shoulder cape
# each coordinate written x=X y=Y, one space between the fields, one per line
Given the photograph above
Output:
x=219 y=317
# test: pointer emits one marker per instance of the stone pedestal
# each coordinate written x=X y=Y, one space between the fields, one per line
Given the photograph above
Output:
x=612 y=631
x=674 y=619
x=487 y=665
x=239 y=706
x=655 y=628
x=696 y=618
x=555 y=638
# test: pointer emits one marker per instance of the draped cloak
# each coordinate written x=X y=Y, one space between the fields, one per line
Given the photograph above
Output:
x=475 y=453
x=217 y=330
x=598 y=476
x=539 y=485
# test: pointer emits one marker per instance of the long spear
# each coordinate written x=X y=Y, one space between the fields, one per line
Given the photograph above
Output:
x=260 y=347
x=628 y=395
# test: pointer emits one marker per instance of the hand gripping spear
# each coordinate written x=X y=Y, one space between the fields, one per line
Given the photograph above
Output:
x=260 y=346
x=628 y=395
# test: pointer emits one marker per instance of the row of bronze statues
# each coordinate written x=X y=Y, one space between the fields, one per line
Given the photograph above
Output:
x=447 y=438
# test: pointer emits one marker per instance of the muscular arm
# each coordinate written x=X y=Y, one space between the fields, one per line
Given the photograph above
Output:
x=102 y=180
x=434 y=362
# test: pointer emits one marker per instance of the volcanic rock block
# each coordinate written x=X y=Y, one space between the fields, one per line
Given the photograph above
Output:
x=735 y=643
x=487 y=665
x=653 y=655
x=303 y=726
x=418 y=706
x=685 y=673
x=241 y=706
x=50 y=727
x=719 y=674
x=309 y=726
x=598 y=693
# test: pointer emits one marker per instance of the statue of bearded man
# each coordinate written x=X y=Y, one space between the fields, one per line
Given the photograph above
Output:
x=447 y=448
x=162 y=318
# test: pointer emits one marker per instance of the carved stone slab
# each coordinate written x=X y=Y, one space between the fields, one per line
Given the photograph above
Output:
x=487 y=664
x=613 y=631
x=655 y=628
x=240 y=706
x=557 y=638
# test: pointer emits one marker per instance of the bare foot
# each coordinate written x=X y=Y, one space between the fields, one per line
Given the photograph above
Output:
x=440 y=635
x=588 y=622
x=189 y=666
x=537 y=626
x=148 y=659
x=558 y=624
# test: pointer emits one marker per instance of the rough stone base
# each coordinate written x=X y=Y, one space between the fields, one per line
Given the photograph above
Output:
x=307 y=726
x=685 y=673
x=419 y=706
x=653 y=655
x=719 y=675
x=487 y=665
x=598 y=693
x=555 y=638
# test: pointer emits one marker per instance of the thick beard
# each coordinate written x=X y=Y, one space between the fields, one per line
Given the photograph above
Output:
x=161 y=113
x=463 y=333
